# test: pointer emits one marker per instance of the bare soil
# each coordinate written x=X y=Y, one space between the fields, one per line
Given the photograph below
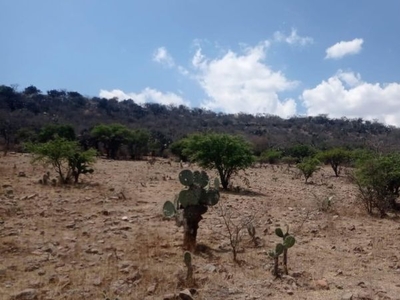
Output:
x=106 y=238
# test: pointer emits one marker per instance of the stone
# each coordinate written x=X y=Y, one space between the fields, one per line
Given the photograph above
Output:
x=185 y=295
x=322 y=284
x=27 y=294
x=347 y=296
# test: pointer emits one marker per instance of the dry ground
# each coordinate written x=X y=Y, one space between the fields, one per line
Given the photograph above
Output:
x=106 y=238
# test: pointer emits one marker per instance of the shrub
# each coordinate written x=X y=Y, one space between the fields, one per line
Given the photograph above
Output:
x=270 y=156
x=308 y=167
x=378 y=181
x=66 y=157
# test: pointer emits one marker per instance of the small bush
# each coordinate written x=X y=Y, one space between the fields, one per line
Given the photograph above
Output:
x=308 y=167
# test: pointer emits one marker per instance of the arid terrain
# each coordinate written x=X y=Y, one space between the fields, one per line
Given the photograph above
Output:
x=107 y=238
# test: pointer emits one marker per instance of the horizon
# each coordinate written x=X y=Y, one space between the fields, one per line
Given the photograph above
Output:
x=285 y=59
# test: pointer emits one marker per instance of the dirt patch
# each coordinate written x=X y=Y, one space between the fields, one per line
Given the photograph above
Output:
x=107 y=237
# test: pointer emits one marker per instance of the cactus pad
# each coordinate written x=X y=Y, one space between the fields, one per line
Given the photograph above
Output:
x=279 y=232
x=189 y=197
x=200 y=178
x=169 y=209
x=187 y=258
x=186 y=177
x=279 y=249
x=289 y=241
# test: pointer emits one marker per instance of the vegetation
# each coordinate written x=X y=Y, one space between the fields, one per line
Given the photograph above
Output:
x=226 y=153
x=270 y=156
x=378 y=181
x=282 y=248
x=32 y=109
x=335 y=157
x=191 y=203
x=66 y=157
x=308 y=167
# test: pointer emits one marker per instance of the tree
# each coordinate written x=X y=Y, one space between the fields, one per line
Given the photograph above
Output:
x=111 y=136
x=138 y=143
x=308 y=167
x=301 y=151
x=53 y=131
x=226 y=153
x=335 y=157
x=270 y=156
x=31 y=90
x=378 y=181
x=66 y=157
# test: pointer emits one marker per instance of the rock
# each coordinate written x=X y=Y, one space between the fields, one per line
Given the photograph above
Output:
x=21 y=174
x=151 y=289
x=185 y=295
x=31 y=196
x=322 y=284
x=347 y=296
x=170 y=297
x=28 y=294
x=210 y=268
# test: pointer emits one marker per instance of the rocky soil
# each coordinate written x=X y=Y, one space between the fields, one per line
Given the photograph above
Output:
x=107 y=239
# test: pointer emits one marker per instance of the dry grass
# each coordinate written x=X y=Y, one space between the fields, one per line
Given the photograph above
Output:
x=107 y=238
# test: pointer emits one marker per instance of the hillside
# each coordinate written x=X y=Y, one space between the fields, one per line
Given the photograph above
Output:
x=31 y=109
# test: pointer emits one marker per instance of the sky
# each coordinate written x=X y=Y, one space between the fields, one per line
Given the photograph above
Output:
x=285 y=58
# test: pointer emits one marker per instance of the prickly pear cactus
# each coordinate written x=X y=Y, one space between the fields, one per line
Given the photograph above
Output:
x=282 y=248
x=192 y=202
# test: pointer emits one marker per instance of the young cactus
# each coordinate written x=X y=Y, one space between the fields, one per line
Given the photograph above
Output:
x=193 y=200
x=279 y=248
x=288 y=242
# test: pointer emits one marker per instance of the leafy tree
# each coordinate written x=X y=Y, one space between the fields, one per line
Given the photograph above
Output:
x=335 y=157
x=138 y=143
x=308 y=167
x=66 y=157
x=378 y=181
x=177 y=149
x=301 y=151
x=51 y=132
x=31 y=90
x=112 y=137
x=271 y=156
x=226 y=153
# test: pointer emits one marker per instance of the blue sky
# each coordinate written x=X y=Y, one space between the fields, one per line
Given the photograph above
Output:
x=285 y=58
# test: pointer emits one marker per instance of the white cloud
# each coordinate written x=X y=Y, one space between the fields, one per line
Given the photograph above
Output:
x=293 y=38
x=242 y=82
x=162 y=56
x=344 y=48
x=345 y=94
x=146 y=95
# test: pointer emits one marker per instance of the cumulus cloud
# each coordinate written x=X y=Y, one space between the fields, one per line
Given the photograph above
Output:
x=345 y=94
x=162 y=56
x=242 y=82
x=343 y=48
x=293 y=38
x=146 y=95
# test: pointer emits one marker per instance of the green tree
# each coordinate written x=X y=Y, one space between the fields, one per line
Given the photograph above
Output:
x=226 y=153
x=112 y=137
x=138 y=143
x=270 y=156
x=335 y=157
x=378 y=181
x=301 y=151
x=308 y=167
x=53 y=131
x=177 y=149
x=66 y=157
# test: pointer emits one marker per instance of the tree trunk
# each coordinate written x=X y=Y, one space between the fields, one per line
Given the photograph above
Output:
x=191 y=219
x=276 y=266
